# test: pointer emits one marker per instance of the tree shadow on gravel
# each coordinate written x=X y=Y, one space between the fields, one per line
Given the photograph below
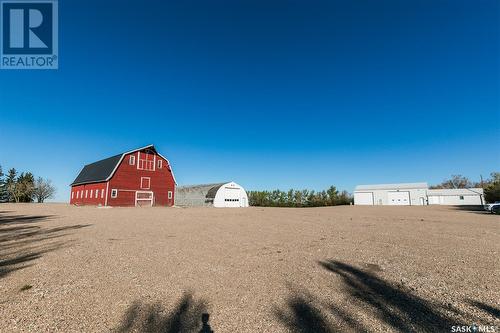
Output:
x=21 y=219
x=369 y=296
x=23 y=239
x=495 y=312
x=396 y=307
x=188 y=315
x=306 y=314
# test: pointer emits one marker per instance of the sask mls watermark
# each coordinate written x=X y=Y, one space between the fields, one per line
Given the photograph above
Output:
x=29 y=31
x=474 y=328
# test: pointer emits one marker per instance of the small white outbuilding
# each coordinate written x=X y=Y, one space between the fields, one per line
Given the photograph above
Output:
x=458 y=196
x=215 y=195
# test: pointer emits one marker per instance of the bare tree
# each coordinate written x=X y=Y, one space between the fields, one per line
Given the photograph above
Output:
x=15 y=191
x=456 y=181
x=43 y=189
x=459 y=181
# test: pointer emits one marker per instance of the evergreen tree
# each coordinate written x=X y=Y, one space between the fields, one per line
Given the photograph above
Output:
x=304 y=198
x=3 y=188
x=332 y=195
x=10 y=184
x=26 y=187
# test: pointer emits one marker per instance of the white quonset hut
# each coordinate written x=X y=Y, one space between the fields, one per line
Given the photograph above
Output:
x=458 y=196
x=404 y=194
x=216 y=195
x=415 y=194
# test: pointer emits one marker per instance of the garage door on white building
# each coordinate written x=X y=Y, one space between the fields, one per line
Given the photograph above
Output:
x=363 y=198
x=232 y=197
x=400 y=198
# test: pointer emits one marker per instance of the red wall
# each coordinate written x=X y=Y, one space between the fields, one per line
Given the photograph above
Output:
x=81 y=199
x=127 y=180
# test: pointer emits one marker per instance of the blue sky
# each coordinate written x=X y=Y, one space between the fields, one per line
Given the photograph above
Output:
x=271 y=94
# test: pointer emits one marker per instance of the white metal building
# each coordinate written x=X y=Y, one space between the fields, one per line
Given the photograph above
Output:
x=459 y=196
x=415 y=194
x=404 y=194
x=216 y=195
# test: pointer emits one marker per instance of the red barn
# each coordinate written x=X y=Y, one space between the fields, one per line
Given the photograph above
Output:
x=140 y=177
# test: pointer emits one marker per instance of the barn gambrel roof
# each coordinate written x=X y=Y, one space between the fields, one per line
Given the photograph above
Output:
x=103 y=170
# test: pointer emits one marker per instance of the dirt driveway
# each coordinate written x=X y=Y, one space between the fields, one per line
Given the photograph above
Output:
x=348 y=269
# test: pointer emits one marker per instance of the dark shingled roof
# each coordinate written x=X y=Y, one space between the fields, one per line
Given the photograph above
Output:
x=98 y=171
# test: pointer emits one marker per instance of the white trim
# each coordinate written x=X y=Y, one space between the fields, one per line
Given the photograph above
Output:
x=91 y=194
x=152 y=197
x=102 y=193
x=169 y=166
x=116 y=196
x=72 y=195
x=106 y=200
x=149 y=183
x=170 y=195
x=131 y=160
x=138 y=160
x=86 y=193
x=145 y=164
x=97 y=193
x=120 y=161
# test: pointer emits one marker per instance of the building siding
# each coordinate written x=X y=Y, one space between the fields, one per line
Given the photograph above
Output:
x=144 y=175
x=455 y=200
x=81 y=199
x=127 y=180
x=418 y=196
x=380 y=197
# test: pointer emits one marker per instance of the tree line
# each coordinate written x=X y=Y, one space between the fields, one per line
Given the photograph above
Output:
x=24 y=187
x=299 y=198
x=332 y=197
x=490 y=185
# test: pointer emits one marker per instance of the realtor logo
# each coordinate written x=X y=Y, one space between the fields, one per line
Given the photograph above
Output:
x=29 y=31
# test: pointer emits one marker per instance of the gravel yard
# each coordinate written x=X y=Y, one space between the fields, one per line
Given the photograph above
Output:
x=351 y=268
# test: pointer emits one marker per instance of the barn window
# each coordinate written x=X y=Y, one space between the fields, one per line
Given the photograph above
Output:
x=131 y=160
x=91 y=192
x=461 y=197
x=72 y=195
x=114 y=193
x=96 y=193
x=159 y=164
x=145 y=183
x=146 y=161
x=77 y=194
x=86 y=193
x=81 y=194
x=102 y=194
x=170 y=194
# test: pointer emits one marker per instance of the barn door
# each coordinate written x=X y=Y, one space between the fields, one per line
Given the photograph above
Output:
x=144 y=199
